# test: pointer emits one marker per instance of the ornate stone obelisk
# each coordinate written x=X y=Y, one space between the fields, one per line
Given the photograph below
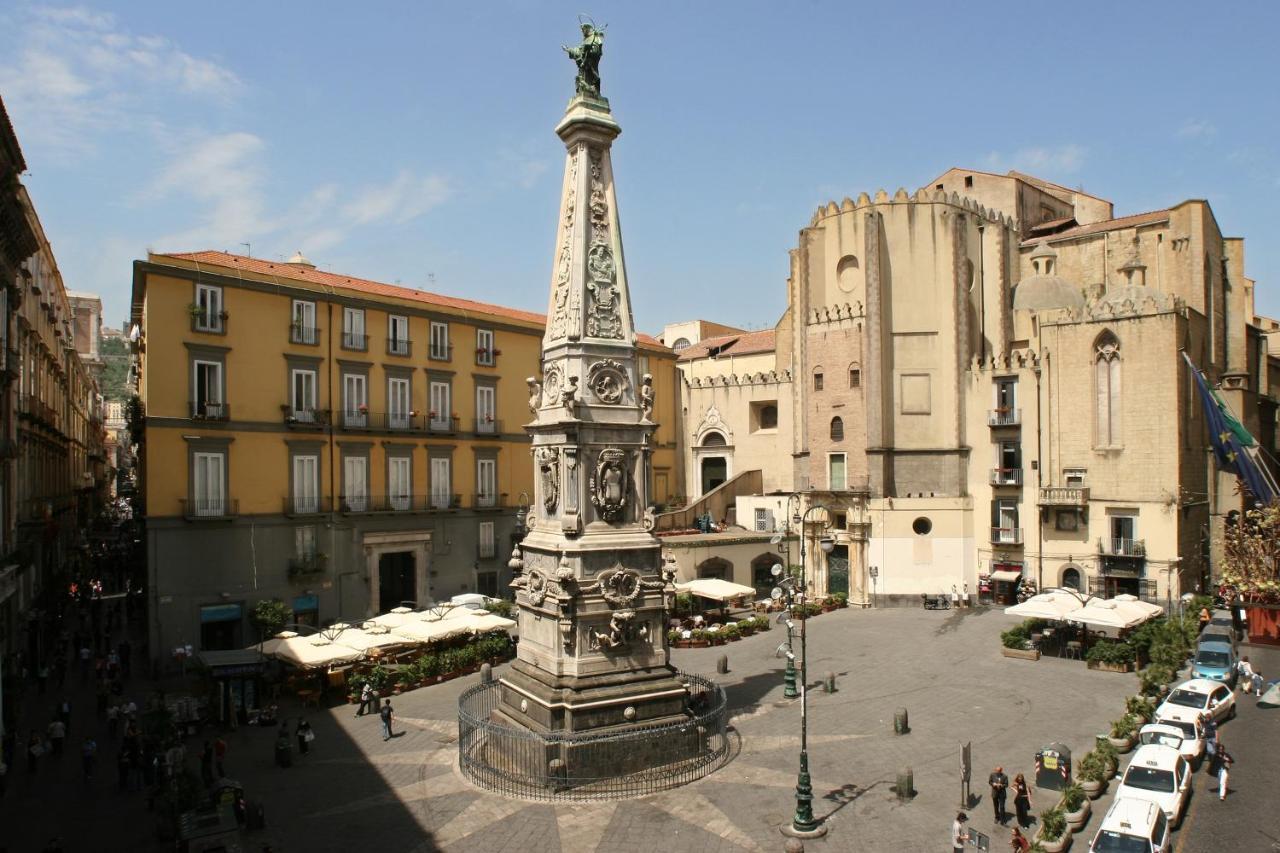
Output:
x=593 y=654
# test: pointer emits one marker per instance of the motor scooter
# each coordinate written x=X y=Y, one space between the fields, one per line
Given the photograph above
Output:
x=939 y=602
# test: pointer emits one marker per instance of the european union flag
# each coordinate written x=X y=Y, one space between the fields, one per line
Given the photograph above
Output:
x=1234 y=447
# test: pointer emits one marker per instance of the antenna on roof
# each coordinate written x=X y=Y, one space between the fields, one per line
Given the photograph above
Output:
x=248 y=249
x=431 y=279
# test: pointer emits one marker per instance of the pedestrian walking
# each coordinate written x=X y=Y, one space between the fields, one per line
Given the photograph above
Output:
x=88 y=756
x=368 y=702
x=999 y=783
x=57 y=736
x=1205 y=618
x=1225 y=760
x=219 y=756
x=1244 y=671
x=1018 y=842
x=305 y=736
x=1022 y=800
x=959 y=837
x=386 y=714
x=1258 y=682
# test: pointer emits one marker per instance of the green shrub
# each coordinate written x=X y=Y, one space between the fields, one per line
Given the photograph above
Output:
x=1073 y=798
x=1109 y=755
x=841 y=599
x=379 y=677
x=684 y=602
x=1053 y=823
x=1016 y=637
x=1140 y=707
x=730 y=632
x=673 y=636
x=763 y=623
x=1124 y=727
x=1111 y=652
x=501 y=607
x=1092 y=768
x=1152 y=679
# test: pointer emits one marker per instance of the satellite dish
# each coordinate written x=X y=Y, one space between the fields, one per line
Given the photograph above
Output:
x=777 y=570
x=776 y=539
x=776 y=594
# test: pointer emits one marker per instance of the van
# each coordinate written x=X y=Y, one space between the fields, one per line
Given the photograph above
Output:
x=1215 y=660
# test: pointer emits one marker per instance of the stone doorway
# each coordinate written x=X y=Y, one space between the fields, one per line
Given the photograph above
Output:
x=406 y=570
x=838 y=570
x=396 y=582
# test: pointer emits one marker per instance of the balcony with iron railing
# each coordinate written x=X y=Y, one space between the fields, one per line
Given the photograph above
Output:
x=399 y=346
x=210 y=508
x=488 y=500
x=300 y=333
x=440 y=352
x=442 y=425
x=304 y=418
x=354 y=505
x=207 y=410
x=1006 y=476
x=306 y=565
x=487 y=356
x=410 y=421
x=1069 y=496
x=1113 y=547
x=302 y=505
x=487 y=426
x=355 y=341
x=1006 y=536
x=1004 y=417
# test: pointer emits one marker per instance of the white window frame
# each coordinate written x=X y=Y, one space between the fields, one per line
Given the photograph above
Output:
x=353 y=334
x=1079 y=475
x=399 y=402
x=400 y=482
x=211 y=407
x=1006 y=510
x=209 y=483
x=441 y=482
x=485 y=355
x=351 y=402
x=439 y=345
x=486 y=409
x=304 y=542
x=355 y=482
x=844 y=459
x=996 y=386
x=306 y=483
x=1121 y=544
x=439 y=403
x=209 y=301
x=310 y=378
x=397 y=338
x=486 y=482
x=304 y=322
x=487 y=540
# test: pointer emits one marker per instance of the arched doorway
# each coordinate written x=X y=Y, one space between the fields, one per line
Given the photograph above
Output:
x=1072 y=577
x=713 y=469
x=716 y=567
x=762 y=573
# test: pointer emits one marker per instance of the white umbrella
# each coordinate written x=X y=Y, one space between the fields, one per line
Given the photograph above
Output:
x=422 y=631
x=1139 y=604
x=373 y=639
x=484 y=621
x=716 y=589
x=1053 y=606
x=268 y=647
x=314 y=652
x=1113 y=613
x=394 y=618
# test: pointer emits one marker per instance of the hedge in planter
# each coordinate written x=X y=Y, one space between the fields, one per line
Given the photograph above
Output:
x=1111 y=654
x=1053 y=824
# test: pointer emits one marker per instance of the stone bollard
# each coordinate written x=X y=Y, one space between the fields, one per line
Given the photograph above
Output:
x=905 y=788
x=793 y=845
x=900 y=726
x=486 y=673
x=722 y=664
x=829 y=683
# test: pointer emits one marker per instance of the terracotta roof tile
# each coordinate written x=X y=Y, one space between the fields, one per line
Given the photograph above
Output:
x=1106 y=225
x=745 y=343
x=279 y=269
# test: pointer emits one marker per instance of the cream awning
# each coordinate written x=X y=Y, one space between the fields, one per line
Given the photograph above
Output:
x=1006 y=577
x=422 y=631
x=1048 y=605
x=716 y=589
x=314 y=652
x=1114 y=613
x=373 y=639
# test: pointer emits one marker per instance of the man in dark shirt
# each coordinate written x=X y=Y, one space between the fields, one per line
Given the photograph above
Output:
x=999 y=784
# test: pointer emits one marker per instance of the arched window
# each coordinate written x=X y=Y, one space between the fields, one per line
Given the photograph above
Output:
x=714 y=439
x=855 y=375
x=768 y=417
x=837 y=429
x=681 y=343
x=817 y=379
x=848 y=274
x=1106 y=380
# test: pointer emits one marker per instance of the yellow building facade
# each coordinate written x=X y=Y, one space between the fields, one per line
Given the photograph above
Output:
x=337 y=443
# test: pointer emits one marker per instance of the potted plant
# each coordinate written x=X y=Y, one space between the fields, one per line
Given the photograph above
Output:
x=673 y=637
x=731 y=633
x=1075 y=806
x=828 y=604
x=1140 y=708
x=1111 y=656
x=1109 y=754
x=1016 y=643
x=1092 y=773
x=699 y=638
x=763 y=623
x=1123 y=732
x=841 y=599
x=1054 y=833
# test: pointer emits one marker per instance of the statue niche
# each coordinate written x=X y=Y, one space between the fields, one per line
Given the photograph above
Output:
x=609 y=484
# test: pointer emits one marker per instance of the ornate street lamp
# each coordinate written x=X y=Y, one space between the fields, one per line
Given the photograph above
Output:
x=803 y=824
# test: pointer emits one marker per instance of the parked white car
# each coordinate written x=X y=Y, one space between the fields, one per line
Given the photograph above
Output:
x=1132 y=826
x=1211 y=698
x=1161 y=775
x=1181 y=730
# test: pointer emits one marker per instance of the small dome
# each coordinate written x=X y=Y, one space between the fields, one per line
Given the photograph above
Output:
x=300 y=260
x=1043 y=292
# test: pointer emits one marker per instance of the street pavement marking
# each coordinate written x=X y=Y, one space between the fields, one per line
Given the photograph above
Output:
x=694 y=808
x=582 y=825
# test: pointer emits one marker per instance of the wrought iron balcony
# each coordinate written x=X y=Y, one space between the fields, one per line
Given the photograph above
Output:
x=399 y=346
x=305 y=418
x=442 y=425
x=300 y=505
x=1006 y=536
x=487 y=356
x=440 y=352
x=209 y=508
x=1070 y=496
x=1122 y=547
x=488 y=426
x=355 y=341
x=300 y=333
x=306 y=565
x=210 y=411
x=1004 y=417
x=488 y=500
x=440 y=501
x=1006 y=476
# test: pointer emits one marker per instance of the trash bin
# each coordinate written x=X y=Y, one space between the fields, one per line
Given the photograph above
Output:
x=1053 y=767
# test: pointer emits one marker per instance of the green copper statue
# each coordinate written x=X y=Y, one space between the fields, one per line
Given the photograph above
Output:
x=587 y=57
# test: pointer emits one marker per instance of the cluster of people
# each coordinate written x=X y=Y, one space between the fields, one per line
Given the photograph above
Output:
x=1248 y=679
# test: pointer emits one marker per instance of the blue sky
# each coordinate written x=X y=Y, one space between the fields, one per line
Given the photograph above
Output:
x=413 y=142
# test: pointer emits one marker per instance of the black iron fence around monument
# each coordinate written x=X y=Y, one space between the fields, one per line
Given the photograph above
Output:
x=517 y=762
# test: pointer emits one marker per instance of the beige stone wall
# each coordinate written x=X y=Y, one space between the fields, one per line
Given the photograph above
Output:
x=732 y=408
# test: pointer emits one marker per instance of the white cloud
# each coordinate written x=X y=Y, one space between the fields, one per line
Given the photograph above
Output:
x=1061 y=159
x=406 y=197
x=1196 y=129
x=69 y=74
